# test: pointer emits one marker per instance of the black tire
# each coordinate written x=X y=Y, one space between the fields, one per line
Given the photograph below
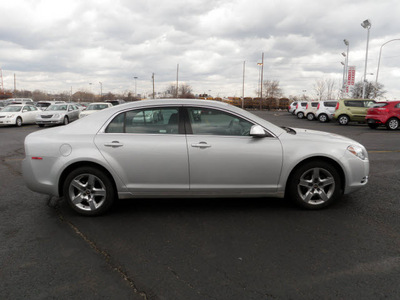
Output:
x=392 y=124
x=300 y=115
x=89 y=191
x=310 y=117
x=373 y=126
x=314 y=185
x=18 y=122
x=343 y=119
x=66 y=121
x=323 y=118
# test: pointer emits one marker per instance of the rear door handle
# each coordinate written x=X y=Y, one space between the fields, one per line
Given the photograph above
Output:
x=113 y=144
x=201 y=145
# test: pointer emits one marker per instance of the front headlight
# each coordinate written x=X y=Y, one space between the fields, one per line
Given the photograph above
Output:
x=357 y=151
x=11 y=116
x=56 y=115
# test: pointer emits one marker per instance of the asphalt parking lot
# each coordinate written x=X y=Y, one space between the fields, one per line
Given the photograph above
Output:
x=205 y=248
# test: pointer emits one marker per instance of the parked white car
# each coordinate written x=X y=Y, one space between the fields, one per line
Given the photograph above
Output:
x=197 y=148
x=300 y=109
x=326 y=110
x=18 y=114
x=57 y=114
x=94 y=107
x=292 y=107
x=311 y=109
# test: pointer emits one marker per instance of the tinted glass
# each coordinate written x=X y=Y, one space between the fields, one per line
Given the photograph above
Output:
x=354 y=103
x=377 y=105
x=147 y=121
x=206 y=121
x=330 y=104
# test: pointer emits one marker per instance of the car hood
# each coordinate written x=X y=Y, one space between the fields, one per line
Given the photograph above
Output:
x=4 y=114
x=322 y=136
x=52 y=112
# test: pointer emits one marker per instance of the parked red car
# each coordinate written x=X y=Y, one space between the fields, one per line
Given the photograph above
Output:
x=384 y=113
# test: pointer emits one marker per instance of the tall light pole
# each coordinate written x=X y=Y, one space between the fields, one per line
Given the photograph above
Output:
x=135 y=77
x=244 y=68
x=101 y=90
x=367 y=25
x=346 y=42
x=379 y=61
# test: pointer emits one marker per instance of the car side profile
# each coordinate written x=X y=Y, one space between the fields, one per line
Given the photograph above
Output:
x=348 y=110
x=189 y=148
x=18 y=114
x=325 y=110
x=300 y=109
x=384 y=114
x=57 y=114
x=311 y=110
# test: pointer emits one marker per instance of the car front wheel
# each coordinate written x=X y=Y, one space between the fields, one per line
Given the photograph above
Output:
x=89 y=191
x=18 y=122
x=310 y=117
x=315 y=184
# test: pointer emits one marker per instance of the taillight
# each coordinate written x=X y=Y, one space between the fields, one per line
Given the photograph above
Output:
x=337 y=106
x=297 y=106
x=318 y=106
x=307 y=106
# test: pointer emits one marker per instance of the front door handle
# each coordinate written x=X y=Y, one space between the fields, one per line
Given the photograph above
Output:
x=201 y=145
x=113 y=144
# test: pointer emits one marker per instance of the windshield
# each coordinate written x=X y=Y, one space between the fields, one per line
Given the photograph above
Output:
x=12 y=109
x=380 y=104
x=97 y=106
x=55 y=107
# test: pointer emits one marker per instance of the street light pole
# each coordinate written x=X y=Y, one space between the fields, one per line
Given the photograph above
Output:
x=367 y=25
x=101 y=90
x=379 y=61
x=135 y=87
x=346 y=42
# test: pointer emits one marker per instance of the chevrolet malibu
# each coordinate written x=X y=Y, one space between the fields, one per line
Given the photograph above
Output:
x=194 y=148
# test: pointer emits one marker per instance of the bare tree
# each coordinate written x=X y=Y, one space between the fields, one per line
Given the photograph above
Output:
x=320 y=89
x=372 y=90
x=272 y=89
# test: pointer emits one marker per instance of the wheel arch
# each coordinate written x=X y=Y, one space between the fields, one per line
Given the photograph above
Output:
x=81 y=164
x=331 y=161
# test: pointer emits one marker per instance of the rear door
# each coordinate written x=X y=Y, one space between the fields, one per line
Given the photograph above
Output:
x=149 y=155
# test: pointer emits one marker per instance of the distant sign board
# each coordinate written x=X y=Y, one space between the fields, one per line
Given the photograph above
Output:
x=351 y=77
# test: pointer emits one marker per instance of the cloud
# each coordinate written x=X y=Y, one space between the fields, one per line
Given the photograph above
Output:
x=56 y=45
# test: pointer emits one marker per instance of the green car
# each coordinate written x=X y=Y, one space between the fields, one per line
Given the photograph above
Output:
x=352 y=110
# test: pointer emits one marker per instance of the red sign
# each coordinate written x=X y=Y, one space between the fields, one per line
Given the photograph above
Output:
x=351 y=77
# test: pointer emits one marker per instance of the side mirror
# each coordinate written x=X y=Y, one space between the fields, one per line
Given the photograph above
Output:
x=257 y=131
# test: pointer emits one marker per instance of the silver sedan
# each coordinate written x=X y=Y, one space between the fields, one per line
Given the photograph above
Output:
x=194 y=148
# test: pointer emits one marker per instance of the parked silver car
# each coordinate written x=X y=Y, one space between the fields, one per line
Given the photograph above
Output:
x=195 y=149
x=57 y=114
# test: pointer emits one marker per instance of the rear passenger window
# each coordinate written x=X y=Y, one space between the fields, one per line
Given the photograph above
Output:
x=354 y=103
x=146 y=121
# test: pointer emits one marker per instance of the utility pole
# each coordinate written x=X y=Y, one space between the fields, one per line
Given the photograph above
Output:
x=244 y=68
x=154 y=94
x=177 y=73
x=262 y=78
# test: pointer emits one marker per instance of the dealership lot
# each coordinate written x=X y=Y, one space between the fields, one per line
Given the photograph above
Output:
x=205 y=248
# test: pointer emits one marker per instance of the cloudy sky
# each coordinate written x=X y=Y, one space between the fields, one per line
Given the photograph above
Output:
x=56 y=46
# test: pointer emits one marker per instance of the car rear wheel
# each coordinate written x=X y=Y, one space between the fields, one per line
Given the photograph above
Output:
x=89 y=191
x=343 y=119
x=392 y=124
x=315 y=184
x=323 y=118
x=300 y=115
x=18 y=122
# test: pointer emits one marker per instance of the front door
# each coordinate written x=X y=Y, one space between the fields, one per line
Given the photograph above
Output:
x=224 y=158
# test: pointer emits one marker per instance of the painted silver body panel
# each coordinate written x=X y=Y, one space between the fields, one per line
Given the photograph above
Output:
x=156 y=165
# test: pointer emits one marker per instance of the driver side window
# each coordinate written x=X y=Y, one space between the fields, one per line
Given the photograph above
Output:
x=205 y=121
